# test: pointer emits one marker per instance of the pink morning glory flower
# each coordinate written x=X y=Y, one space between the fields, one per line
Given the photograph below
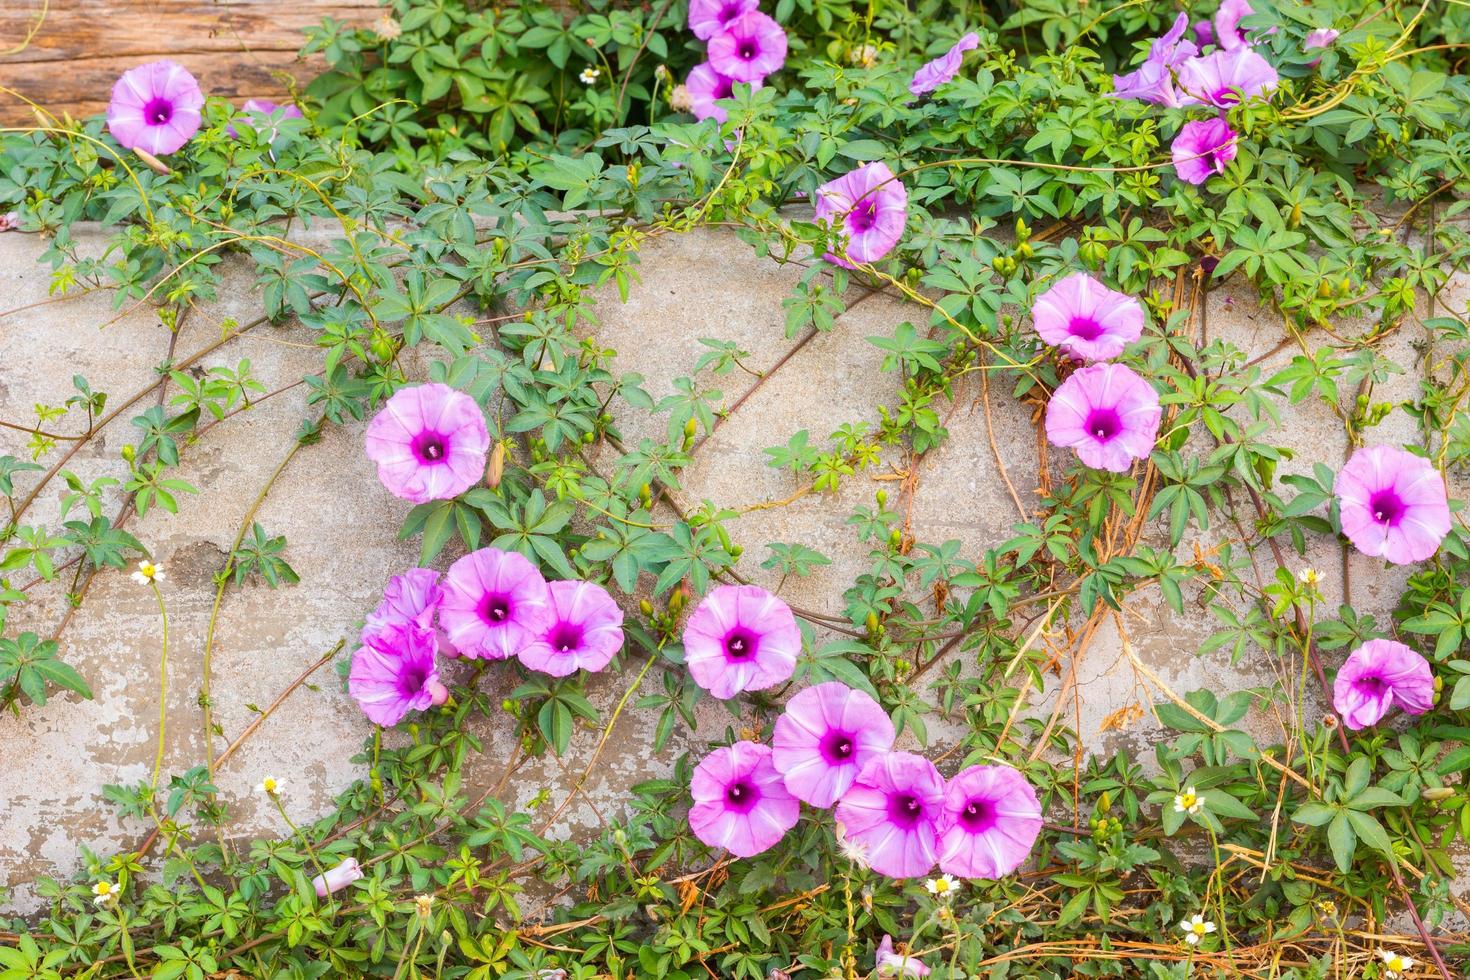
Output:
x=155 y=108
x=411 y=597
x=891 y=964
x=429 y=442
x=1107 y=414
x=1202 y=148
x=749 y=48
x=1204 y=33
x=892 y=811
x=869 y=207
x=337 y=878
x=740 y=638
x=1153 y=81
x=943 y=68
x=991 y=819
x=708 y=17
x=584 y=633
x=1392 y=504
x=825 y=737
x=257 y=115
x=394 y=672
x=740 y=803
x=1375 y=677
x=1224 y=78
x=1087 y=319
x=1227 y=22
x=1322 y=37
x=495 y=604
x=706 y=87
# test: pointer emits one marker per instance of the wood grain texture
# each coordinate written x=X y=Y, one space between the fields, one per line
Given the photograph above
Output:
x=237 y=49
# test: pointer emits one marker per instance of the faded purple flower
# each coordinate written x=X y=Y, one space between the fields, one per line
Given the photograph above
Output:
x=9 y=221
x=1392 y=504
x=495 y=604
x=708 y=17
x=155 y=108
x=740 y=638
x=585 y=631
x=740 y=803
x=869 y=207
x=1153 y=81
x=891 y=964
x=337 y=878
x=1227 y=23
x=411 y=597
x=1224 y=78
x=1203 y=148
x=1375 y=677
x=825 y=737
x=991 y=819
x=429 y=442
x=1107 y=414
x=749 y=48
x=893 y=811
x=705 y=88
x=258 y=113
x=394 y=672
x=1322 y=37
x=943 y=68
x=1087 y=319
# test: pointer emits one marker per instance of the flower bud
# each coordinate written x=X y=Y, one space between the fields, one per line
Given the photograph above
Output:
x=496 y=469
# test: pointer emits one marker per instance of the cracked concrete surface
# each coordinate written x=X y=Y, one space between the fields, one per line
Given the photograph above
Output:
x=341 y=530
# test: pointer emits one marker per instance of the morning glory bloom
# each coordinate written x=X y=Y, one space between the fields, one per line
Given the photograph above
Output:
x=1107 y=414
x=943 y=68
x=708 y=17
x=394 y=673
x=1153 y=81
x=1392 y=504
x=495 y=604
x=430 y=443
x=893 y=811
x=1378 y=675
x=1224 y=78
x=1087 y=319
x=740 y=803
x=991 y=820
x=155 y=108
x=825 y=737
x=749 y=48
x=1203 y=148
x=740 y=638
x=705 y=88
x=585 y=631
x=869 y=206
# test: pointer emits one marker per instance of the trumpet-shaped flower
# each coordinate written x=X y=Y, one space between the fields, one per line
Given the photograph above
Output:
x=1107 y=414
x=893 y=810
x=495 y=604
x=825 y=737
x=740 y=638
x=430 y=443
x=1392 y=504
x=584 y=631
x=740 y=802
x=1375 y=677
x=155 y=108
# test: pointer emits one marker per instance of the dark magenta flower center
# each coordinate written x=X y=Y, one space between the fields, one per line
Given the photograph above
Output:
x=741 y=796
x=1387 y=507
x=905 y=810
x=495 y=609
x=1225 y=95
x=1371 y=685
x=565 y=637
x=747 y=48
x=724 y=88
x=864 y=215
x=158 y=111
x=729 y=12
x=430 y=447
x=1085 y=328
x=740 y=644
x=1103 y=424
x=838 y=747
x=411 y=681
x=978 y=815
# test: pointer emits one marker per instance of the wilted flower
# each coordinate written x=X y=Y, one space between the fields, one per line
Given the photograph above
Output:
x=1203 y=148
x=740 y=638
x=827 y=733
x=1392 y=504
x=148 y=572
x=1153 y=81
x=749 y=48
x=681 y=98
x=423 y=905
x=1107 y=414
x=259 y=113
x=585 y=631
x=1378 y=675
x=849 y=848
x=1195 y=928
x=990 y=822
x=337 y=878
x=891 y=964
x=155 y=108
x=1188 y=802
x=740 y=803
x=893 y=810
x=1309 y=577
x=387 y=28
x=9 y=221
x=864 y=55
x=943 y=68
x=429 y=442
x=1087 y=319
x=868 y=207
x=495 y=604
x=708 y=17
x=394 y=672
x=1224 y=78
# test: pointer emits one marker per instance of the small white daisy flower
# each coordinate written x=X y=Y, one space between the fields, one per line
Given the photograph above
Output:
x=1395 y=964
x=270 y=786
x=104 y=893
x=1309 y=576
x=1195 y=928
x=1188 y=802
x=424 y=905
x=944 y=887
x=589 y=74
x=148 y=573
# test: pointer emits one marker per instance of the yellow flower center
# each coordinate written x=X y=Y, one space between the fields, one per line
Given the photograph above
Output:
x=103 y=888
x=147 y=568
x=270 y=785
x=1198 y=928
x=1396 y=963
x=1188 y=800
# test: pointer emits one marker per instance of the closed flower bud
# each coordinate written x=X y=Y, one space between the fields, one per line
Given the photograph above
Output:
x=496 y=470
x=882 y=498
x=645 y=607
x=1437 y=794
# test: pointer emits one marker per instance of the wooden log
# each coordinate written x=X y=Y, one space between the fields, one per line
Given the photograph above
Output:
x=238 y=49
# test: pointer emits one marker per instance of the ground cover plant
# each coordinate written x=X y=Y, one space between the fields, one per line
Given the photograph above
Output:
x=1054 y=188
